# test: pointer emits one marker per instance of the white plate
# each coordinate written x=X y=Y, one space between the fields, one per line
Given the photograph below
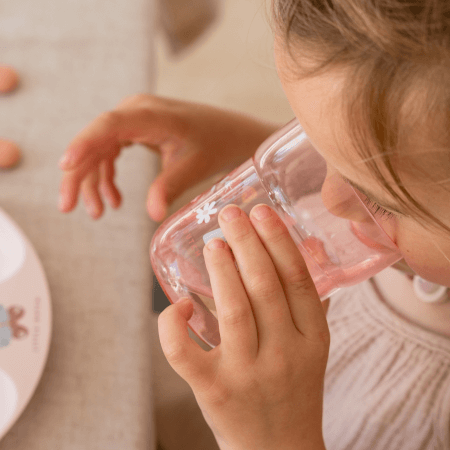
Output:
x=25 y=322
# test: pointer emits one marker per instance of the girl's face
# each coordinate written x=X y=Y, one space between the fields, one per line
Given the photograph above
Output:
x=315 y=102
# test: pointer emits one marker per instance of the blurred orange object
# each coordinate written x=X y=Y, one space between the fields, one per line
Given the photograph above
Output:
x=9 y=154
x=9 y=79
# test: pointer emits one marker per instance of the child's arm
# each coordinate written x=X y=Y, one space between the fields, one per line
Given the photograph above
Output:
x=195 y=142
x=262 y=386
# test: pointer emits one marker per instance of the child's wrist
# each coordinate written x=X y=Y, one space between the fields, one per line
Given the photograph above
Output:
x=309 y=444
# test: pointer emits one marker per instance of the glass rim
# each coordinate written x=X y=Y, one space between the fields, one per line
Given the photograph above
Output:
x=279 y=138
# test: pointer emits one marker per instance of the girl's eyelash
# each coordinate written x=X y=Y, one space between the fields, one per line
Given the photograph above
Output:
x=376 y=209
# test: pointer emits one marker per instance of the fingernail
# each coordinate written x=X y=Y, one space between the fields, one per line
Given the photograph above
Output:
x=261 y=212
x=230 y=212
x=92 y=208
x=62 y=202
x=64 y=160
x=215 y=243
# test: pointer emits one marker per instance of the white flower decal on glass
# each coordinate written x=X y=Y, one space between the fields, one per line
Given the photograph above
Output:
x=203 y=214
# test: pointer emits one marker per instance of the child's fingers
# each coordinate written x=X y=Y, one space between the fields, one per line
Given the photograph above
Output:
x=91 y=196
x=304 y=304
x=71 y=183
x=238 y=328
x=107 y=186
x=110 y=131
x=68 y=191
x=98 y=139
x=187 y=359
x=156 y=203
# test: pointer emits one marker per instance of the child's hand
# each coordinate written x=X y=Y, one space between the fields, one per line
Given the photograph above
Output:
x=195 y=142
x=262 y=387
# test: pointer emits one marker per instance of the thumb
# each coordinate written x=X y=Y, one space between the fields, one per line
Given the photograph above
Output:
x=187 y=359
x=185 y=308
x=175 y=178
x=156 y=201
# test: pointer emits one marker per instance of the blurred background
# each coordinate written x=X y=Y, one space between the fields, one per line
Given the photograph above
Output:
x=225 y=60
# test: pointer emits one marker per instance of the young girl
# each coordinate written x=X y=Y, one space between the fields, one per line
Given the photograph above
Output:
x=370 y=84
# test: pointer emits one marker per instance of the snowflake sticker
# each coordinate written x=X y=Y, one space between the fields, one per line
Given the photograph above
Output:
x=204 y=214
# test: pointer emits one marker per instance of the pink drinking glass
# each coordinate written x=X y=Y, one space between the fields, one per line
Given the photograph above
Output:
x=339 y=239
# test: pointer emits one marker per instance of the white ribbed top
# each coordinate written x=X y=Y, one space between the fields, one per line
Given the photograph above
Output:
x=387 y=385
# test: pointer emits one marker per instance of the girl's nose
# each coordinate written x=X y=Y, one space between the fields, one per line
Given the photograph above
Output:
x=340 y=199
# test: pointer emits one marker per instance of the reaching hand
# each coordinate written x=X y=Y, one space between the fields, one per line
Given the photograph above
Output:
x=194 y=141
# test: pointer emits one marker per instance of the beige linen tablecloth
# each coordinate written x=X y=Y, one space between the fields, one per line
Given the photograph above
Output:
x=76 y=59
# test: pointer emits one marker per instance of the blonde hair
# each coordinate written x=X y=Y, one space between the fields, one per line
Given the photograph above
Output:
x=397 y=56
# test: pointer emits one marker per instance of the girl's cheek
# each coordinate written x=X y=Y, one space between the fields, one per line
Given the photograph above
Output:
x=391 y=227
x=425 y=253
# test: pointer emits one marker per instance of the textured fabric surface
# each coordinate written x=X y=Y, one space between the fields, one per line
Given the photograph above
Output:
x=387 y=384
x=76 y=59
